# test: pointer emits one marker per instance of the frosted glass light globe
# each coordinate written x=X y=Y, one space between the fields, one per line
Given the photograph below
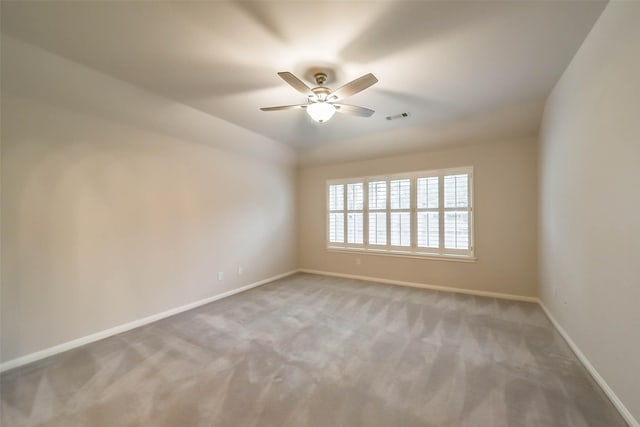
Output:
x=321 y=111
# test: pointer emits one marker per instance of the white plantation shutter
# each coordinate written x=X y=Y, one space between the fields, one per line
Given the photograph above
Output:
x=428 y=229
x=355 y=213
x=378 y=213
x=400 y=193
x=456 y=211
x=456 y=230
x=427 y=197
x=336 y=213
x=428 y=216
x=400 y=222
x=336 y=197
x=400 y=229
x=336 y=227
x=377 y=195
x=355 y=196
x=355 y=228
x=456 y=194
x=377 y=228
x=423 y=213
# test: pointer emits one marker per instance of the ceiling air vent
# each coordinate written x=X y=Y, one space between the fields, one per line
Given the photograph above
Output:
x=398 y=116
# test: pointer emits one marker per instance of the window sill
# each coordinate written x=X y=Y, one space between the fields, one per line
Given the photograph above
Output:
x=403 y=254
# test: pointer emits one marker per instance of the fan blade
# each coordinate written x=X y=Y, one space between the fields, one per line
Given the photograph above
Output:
x=353 y=87
x=353 y=110
x=296 y=83
x=284 y=107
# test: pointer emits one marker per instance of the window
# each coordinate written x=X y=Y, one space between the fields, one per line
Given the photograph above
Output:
x=417 y=214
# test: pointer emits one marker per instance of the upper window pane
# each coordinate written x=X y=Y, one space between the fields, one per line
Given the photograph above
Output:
x=456 y=191
x=428 y=192
x=355 y=196
x=400 y=194
x=336 y=197
x=378 y=195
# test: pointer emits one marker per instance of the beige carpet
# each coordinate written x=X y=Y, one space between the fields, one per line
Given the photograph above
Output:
x=317 y=351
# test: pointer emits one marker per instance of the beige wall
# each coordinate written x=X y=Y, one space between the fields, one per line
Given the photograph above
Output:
x=590 y=200
x=108 y=217
x=505 y=191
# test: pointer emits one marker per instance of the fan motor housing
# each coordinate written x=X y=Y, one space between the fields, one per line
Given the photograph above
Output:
x=321 y=92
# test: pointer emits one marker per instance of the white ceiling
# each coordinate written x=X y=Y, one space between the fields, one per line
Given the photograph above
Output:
x=463 y=70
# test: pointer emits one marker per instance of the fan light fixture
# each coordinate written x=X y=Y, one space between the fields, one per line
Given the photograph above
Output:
x=321 y=111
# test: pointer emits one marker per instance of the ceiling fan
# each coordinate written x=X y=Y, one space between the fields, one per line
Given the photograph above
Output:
x=322 y=101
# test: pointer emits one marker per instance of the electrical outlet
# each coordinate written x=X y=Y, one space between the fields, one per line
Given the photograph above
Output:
x=220 y=275
x=240 y=271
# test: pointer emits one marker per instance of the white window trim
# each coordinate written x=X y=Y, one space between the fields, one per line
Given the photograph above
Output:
x=411 y=251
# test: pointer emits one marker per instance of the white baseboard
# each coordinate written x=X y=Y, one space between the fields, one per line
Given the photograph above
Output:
x=41 y=354
x=626 y=414
x=424 y=286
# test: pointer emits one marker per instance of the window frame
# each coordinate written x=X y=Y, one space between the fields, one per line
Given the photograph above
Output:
x=411 y=251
